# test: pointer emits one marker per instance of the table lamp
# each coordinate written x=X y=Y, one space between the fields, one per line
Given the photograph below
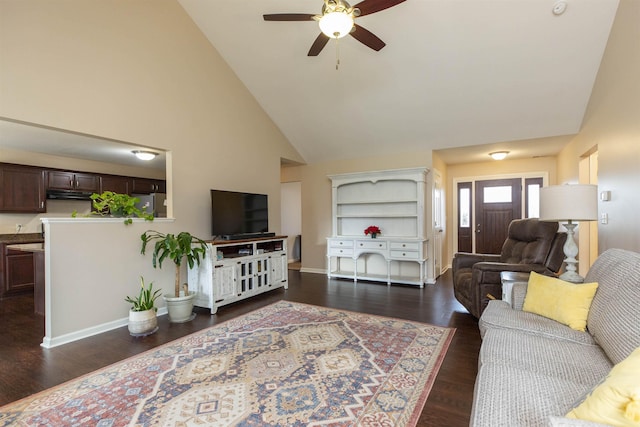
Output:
x=577 y=202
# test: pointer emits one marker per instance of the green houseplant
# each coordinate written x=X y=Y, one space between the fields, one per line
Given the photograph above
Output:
x=142 y=315
x=176 y=247
x=117 y=205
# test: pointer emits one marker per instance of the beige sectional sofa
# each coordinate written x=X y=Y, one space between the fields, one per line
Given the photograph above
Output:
x=534 y=370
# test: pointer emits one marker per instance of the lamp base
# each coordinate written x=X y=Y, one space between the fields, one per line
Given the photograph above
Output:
x=571 y=276
x=570 y=251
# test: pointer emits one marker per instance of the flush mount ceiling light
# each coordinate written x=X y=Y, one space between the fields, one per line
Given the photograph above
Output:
x=499 y=155
x=145 y=155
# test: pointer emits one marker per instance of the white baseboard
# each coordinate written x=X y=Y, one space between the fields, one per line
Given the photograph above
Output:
x=313 y=270
x=49 y=342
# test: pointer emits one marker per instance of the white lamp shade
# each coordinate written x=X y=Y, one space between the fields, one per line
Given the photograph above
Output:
x=578 y=202
x=336 y=24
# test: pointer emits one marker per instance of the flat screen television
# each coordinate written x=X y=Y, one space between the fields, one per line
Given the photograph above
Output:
x=234 y=214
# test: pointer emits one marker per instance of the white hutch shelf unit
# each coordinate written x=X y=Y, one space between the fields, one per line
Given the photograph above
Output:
x=394 y=200
x=233 y=270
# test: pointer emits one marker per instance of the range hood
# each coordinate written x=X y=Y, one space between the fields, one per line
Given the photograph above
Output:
x=69 y=195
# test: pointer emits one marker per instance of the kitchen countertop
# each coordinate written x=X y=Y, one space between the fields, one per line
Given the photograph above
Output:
x=17 y=239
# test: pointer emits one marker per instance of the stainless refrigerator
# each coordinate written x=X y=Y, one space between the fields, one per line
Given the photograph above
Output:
x=154 y=202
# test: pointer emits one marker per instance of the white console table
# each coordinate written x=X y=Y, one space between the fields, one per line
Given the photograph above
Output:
x=394 y=251
x=237 y=269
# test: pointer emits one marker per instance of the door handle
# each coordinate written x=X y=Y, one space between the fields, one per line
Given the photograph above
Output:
x=478 y=228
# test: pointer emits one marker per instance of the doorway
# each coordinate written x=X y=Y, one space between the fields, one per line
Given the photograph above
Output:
x=291 y=220
x=439 y=216
x=588 y=231
x=484 y=208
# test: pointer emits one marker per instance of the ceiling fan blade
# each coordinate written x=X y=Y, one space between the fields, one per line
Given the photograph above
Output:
x=319 y=44
x=288 y=17
x=367 y=38
x=368 y=7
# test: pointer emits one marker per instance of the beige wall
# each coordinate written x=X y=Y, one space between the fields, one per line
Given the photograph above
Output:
x=612 y=123
x=316 y=197
x=141 y=72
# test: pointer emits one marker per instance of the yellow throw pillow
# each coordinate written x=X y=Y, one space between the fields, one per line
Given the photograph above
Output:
x=564 y=302
x=616 y=401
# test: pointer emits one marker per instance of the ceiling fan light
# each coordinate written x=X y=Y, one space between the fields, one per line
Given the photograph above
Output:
x=145 y=155
x=336 y=24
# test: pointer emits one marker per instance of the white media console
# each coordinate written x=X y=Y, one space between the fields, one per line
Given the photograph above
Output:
x=237 y=269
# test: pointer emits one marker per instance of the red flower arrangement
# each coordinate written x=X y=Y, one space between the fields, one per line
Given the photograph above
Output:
x=372 y=229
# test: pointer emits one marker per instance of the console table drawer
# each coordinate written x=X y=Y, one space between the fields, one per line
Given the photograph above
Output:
x=405 y=246
x=341 y=243
x=340 y=251
x=404 y=254
x=372 y=244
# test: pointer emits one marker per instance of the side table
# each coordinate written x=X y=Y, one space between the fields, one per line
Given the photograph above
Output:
x=508 y=278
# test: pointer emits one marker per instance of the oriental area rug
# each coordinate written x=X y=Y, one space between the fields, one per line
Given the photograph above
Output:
x=287 y=364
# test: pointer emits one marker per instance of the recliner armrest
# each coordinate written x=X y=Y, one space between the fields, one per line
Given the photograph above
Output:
x=467 y=260
x=501 y=266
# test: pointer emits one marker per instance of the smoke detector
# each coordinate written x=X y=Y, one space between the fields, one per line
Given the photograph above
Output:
x=559 y=7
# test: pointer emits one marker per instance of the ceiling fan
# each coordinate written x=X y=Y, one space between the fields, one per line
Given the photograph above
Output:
x=337 y=19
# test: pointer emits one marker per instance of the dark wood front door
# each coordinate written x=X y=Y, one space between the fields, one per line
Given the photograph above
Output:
x=498 y=202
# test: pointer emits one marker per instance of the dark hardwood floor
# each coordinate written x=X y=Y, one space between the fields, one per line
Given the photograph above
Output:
x=26 y=368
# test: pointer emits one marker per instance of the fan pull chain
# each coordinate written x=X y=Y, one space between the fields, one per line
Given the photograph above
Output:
x=337 y=54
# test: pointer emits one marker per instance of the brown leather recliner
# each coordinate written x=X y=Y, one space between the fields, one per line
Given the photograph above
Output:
x=531 y=245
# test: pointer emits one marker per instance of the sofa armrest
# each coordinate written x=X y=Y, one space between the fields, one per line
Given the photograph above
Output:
x=467 y=260
x=570 y=422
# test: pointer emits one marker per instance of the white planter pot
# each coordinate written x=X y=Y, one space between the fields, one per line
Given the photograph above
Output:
x=142 y=323
x=180 y=308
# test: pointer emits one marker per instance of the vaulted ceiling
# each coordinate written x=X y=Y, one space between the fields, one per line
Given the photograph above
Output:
x=454 y=73
x=463 y=77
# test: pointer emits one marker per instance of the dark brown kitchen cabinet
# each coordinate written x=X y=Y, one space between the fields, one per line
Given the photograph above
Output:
x=18 y=270
x=75 y=181
x=147 y=186
x=117 y=184
x=22 y=189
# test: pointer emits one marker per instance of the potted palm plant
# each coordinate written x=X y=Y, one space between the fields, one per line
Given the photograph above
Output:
x=176 y=247
x=142 y=315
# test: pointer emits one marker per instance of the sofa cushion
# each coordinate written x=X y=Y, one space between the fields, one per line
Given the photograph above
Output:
x=615 y=312
x=616 y=401
x=581 y=363
x=500 y=315
x=564 y=302
x=508 y=396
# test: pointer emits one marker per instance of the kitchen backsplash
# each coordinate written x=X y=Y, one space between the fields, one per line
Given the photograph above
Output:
x=31 y=223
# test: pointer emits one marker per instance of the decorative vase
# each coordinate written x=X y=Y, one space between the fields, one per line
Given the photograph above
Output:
x=374 y=235
x=142 y=323
x=180 y=308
